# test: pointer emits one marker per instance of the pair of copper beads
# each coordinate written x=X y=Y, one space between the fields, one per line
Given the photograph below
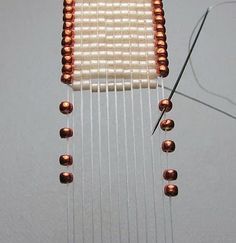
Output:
x=66 y=107
x=160 y=38
x=168 y=146
x=68 y=42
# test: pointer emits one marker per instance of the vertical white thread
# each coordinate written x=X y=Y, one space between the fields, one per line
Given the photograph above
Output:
x=99 y=135
x=126 y=156
x=82 y=135
x=161 y=165
x=108 y=142
x=134 y=141
x=117 y=151
x=152 y=146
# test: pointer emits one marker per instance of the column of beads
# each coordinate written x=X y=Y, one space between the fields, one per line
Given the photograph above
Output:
x=68 y=41
x=66 y=107
x=168 y=146
x=160 y=38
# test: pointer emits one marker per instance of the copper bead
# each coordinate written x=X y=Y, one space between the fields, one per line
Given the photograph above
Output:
x=162 y=60
x=66 y=78
x=69 y=9
x=160 y=43
x=66 y=50
x=66 y=160
x=68 y=17
x=160 y=51
x=68 y=32
x=163 y=71
x=159 y=19
x=158 y=11
x=157 y=3
x=171 y=190
x=170 y=175
x=66 y=177
x=69 y=3
x=165 y=104
x=67 y=41
x=68 y=25
x=167 y=125
x=66 y=107
x=168 y=146
x=160 y=28
x=160 y=36
x=67 y=59
x=66 y=132
x=67 y=68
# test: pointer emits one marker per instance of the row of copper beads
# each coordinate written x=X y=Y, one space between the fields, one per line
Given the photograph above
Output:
x=66 y=107
x=168 y=146
x=160 y=38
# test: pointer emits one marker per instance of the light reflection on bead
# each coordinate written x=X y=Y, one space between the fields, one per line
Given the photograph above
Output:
x=167 y=125
x=66 y=132
x=168 y=146
x=165 y=104
x=66 y=160
x=170 y=175
x=171 y=190
x=66 y=177
x=65 y=107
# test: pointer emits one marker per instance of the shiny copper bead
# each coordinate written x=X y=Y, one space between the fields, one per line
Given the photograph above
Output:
x=160 y=28
x=66 y=50
x=163 y=71
x=66 y=78
x=162 y=60
x=157 y=3
x=69 y=9
x=69 y=3
x=167 y=125
x=165 y=104
x=66 y=132
x=66 y=177
x=161 y=43
x=158 y=11
x=66 y=107
x=67 y=41
x=170 y=175
x=68 y=17
x=159 y=19
x=66 y=160
x=160 y=51
x=67 y=68
x=171 y=190
x=160 y=36
x=68 y=25
x=67 y=59
x=67 y=32
x=168 y=146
